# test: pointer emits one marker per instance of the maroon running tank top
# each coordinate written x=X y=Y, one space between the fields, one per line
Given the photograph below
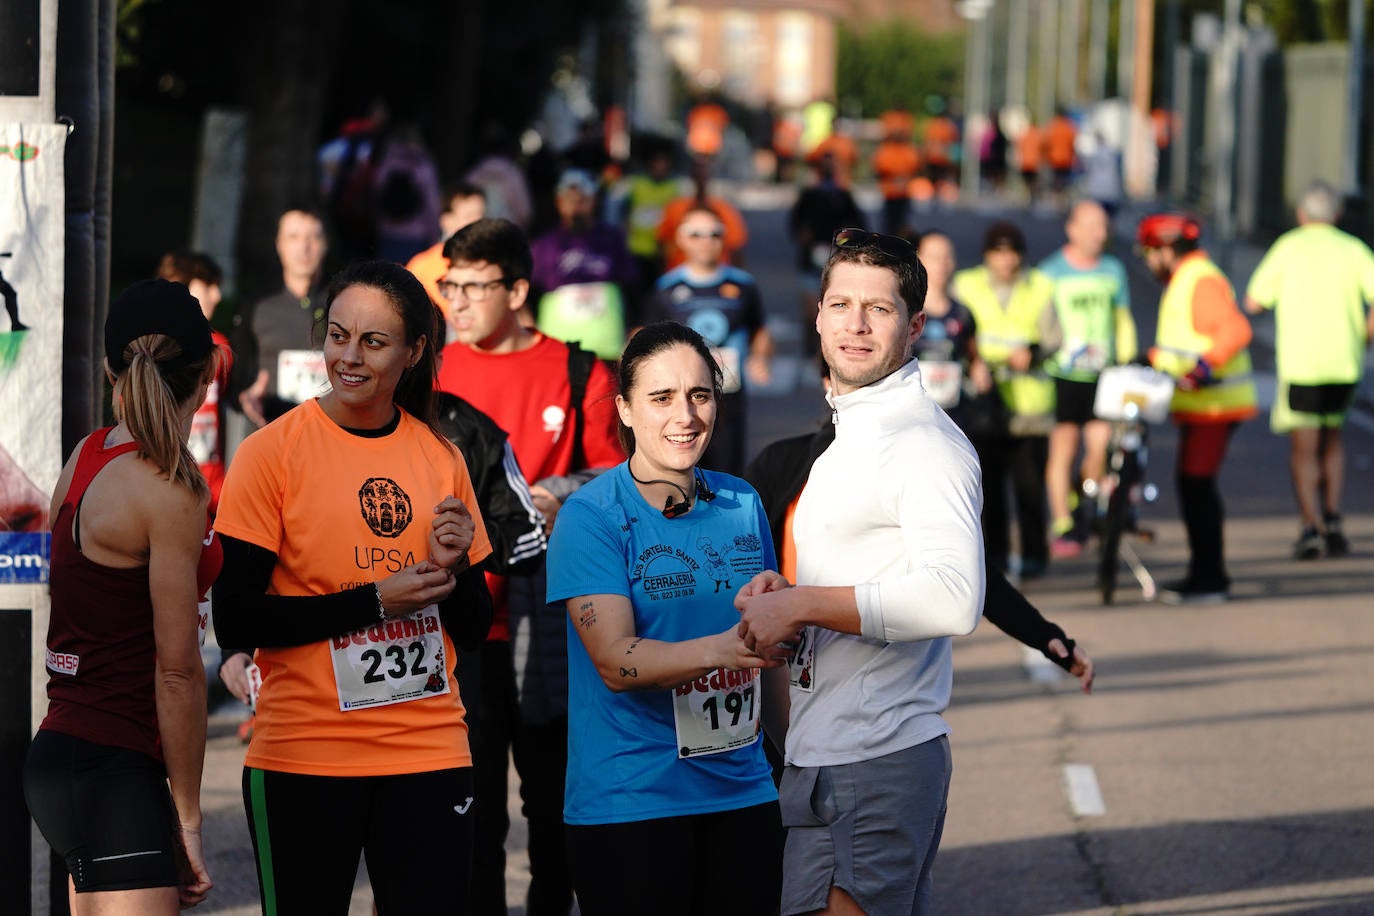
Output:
x=101 y=656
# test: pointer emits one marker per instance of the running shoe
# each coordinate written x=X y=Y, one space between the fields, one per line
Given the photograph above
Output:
x=246 y=728
x=1189 y=591
x=1309 y=544
x=1337 y=545
x=1065 y=547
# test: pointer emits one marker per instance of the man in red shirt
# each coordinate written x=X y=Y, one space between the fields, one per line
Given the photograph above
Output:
x=527 y=382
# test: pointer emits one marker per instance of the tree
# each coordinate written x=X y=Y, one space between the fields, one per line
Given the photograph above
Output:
x=894 y=64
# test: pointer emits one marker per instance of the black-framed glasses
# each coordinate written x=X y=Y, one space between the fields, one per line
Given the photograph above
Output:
x=473 y=292
x=887 y=244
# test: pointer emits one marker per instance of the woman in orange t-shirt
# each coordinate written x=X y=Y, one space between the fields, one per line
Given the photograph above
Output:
x=352 y=545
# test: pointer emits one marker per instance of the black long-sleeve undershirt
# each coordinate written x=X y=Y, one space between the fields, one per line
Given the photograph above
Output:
x=247 y=616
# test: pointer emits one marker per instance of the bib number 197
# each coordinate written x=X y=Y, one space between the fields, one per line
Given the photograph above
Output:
x=716 y=713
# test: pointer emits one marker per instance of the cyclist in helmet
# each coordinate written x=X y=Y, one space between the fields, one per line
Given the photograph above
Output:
x=1202 y=342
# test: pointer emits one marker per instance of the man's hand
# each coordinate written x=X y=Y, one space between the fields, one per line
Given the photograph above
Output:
x=233 y=674
x=250 y=399
x=451 y=534
x=547 y=504
x=1200 y=376
x=768 y=620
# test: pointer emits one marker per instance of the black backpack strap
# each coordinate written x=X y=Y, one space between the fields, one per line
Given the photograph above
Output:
x=580 y=363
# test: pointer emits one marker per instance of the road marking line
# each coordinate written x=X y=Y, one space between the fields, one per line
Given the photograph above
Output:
x=1039 y=668
x=1080 y=784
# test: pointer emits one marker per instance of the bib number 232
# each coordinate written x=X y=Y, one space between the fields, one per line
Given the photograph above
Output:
x=392 y=662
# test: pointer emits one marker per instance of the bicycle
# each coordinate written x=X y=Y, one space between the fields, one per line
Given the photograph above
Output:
x=1130 y=398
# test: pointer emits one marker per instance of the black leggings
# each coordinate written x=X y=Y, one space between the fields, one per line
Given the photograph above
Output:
x=726 y=862
x=308 y=831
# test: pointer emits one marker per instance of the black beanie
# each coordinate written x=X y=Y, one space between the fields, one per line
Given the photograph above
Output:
x=157 y=307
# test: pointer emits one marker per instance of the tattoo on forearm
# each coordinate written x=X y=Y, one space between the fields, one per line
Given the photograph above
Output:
x=586 y=615
x=629 y=650
x=629 y=672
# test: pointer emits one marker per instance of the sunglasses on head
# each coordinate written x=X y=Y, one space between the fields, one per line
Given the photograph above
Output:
x=887 y=244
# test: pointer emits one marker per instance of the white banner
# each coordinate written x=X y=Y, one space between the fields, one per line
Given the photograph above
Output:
x=32 y=234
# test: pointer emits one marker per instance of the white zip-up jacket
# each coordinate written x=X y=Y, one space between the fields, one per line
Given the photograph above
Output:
x=892 y=509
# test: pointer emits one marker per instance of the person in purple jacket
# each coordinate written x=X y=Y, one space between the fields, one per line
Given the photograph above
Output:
x=583 y=275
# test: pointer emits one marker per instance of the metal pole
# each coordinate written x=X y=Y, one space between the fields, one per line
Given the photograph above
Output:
x=1018 y=54
x=1225 y=119
x=1350 y=162
x=1068 y=53
x=977 y=107
x=1098 y=21
x=1045 y=58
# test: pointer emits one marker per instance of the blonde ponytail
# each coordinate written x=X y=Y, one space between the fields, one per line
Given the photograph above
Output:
x=149 y=398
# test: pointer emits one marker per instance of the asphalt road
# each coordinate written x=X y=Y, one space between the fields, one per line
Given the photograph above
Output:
x=1222 y=764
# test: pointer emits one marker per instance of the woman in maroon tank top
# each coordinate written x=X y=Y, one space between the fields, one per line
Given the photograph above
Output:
x=113 y=776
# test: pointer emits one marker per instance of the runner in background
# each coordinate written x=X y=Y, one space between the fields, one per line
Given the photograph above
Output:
x=464 y=203
x=1029 y=147
x=638 y=206
x=941 y=139
x=1319 y=281
x=736 y=230
x=722 y=304
x=199 y=273
x=1012 y=305
x=1202 y=341
x=1092 y=329
x=895 y=164
x=557 y=403
x=275 y=343
x=584 y=278
x=1060 y=135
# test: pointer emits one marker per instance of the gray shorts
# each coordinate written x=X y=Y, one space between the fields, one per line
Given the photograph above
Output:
x=869 y=828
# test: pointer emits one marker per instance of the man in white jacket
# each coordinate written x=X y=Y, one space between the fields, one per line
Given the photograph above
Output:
x=889 y=566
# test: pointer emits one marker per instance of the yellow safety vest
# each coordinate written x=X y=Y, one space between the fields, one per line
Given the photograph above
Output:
x=1178 y=346
x=999 y=331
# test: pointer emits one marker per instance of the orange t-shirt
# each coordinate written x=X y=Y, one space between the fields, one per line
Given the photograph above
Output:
x=1028 y=148
x=941 y=135
x=736 y=230
x=842 y=152
x=895 y=162
x=428 y=266
x=706 y=125
x=1059 y=137
x=341 y=510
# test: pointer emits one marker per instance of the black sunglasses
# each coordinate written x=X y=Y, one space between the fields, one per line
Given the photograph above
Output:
x=887 y=244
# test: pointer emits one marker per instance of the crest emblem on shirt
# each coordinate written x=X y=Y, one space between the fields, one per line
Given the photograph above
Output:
x=729 y=290
x=385 y=507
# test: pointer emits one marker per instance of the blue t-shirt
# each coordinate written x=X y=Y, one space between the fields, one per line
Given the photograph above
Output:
x=1086 y=303
x=725 y=309
x=625 y=760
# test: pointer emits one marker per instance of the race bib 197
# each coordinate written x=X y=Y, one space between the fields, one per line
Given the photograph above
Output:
x=717 y=712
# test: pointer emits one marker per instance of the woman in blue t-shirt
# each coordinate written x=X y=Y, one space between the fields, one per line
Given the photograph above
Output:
x=670 y=804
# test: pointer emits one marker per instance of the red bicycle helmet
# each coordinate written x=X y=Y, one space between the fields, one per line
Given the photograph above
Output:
x=1159 y=230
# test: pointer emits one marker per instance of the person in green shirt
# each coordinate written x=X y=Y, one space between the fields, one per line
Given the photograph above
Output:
x=1319 y=281
x=1091 y=328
